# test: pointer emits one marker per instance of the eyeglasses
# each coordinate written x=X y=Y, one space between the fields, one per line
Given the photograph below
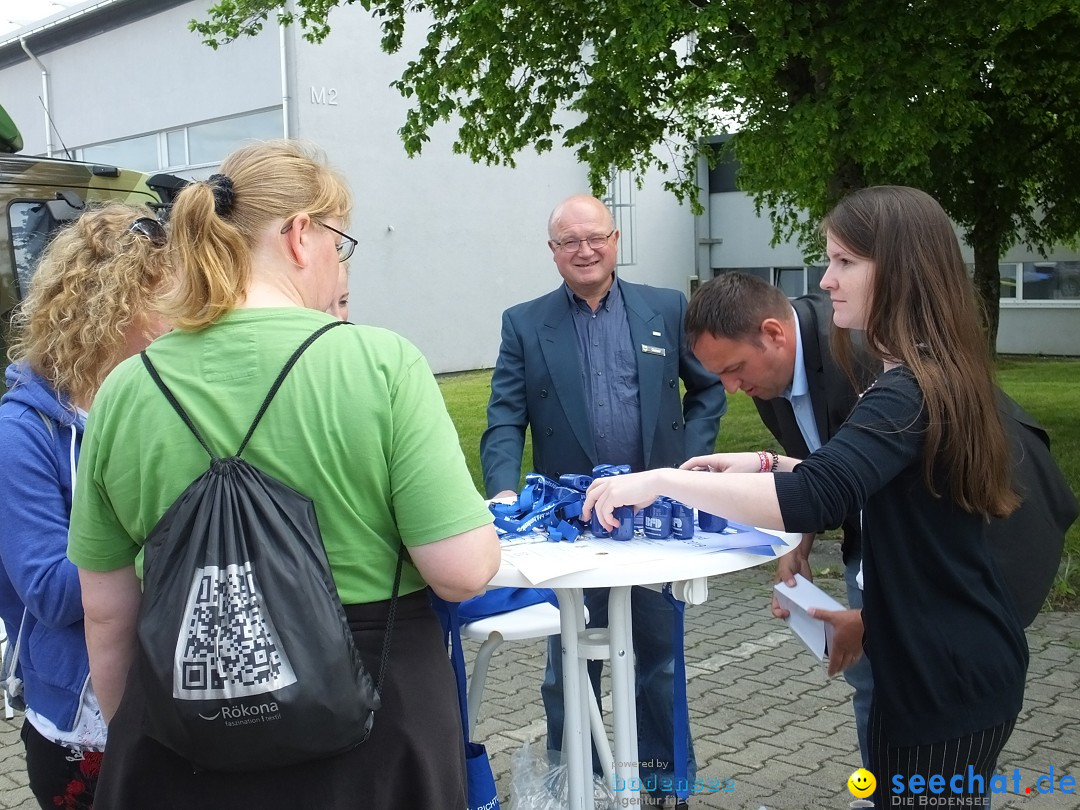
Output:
x=345 y=247
x=151 y=229
x=574 y=245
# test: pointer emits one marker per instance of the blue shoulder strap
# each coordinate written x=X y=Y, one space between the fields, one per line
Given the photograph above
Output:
x=679 y=714
x=451 y=625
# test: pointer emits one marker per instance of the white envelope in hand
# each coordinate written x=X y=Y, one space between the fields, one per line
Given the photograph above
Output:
x=815 y=634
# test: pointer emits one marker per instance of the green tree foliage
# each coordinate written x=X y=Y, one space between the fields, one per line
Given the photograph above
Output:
x=978 y=103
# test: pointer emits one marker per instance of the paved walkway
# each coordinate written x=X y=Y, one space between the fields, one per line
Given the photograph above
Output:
x=763 y=713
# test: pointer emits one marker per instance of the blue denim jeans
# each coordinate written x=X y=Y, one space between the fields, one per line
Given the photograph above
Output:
x=652 y=617
x=859 y=675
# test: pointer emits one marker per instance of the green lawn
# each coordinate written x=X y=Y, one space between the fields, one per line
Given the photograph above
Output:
x=1048 y=388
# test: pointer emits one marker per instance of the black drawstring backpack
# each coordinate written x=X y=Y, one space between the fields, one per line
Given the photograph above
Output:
x=244 y=650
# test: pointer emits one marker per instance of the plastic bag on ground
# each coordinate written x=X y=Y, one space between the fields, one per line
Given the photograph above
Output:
x=536 y=785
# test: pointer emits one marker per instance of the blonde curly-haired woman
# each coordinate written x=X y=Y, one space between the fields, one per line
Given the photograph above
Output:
x=89 y=306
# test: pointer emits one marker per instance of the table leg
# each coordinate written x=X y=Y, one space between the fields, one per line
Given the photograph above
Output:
x=577 y=743
x=623 y=697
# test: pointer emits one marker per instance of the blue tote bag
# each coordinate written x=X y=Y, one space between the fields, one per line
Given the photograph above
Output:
x=482 y=794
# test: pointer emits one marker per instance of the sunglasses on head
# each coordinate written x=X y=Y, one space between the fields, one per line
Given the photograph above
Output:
x=151 y=229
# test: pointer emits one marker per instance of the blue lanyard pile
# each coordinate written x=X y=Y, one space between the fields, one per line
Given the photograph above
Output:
x=554 y=506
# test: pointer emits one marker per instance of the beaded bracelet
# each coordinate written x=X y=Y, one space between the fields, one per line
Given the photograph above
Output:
x=769 y=460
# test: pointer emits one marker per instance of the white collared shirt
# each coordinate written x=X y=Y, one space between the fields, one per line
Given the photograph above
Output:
x=798 y=394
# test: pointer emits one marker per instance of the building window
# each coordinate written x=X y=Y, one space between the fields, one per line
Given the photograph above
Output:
x=176 y=148
x=1068 y=280
x=1052 y=281
x=764 y=273
x=792 y=280
x=620 y=199
x=1039 y=281
x=1006 y=280
x=32 y=225
x=195 y=145
x=723 y=176
x=212 y=141
x=134 y=153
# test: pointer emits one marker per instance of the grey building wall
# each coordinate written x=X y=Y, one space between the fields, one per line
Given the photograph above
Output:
x=444 y=245
x=1039 y=329
x=143 y=77
x=663 y=240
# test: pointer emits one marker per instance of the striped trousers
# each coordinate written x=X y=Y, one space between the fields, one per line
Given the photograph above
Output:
x=958 y=786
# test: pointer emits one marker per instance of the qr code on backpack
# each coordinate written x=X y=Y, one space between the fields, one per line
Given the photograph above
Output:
x=228 y=646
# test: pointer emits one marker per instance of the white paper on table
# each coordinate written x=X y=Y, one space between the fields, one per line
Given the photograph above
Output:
x=733 y=538
x=815 y=634
x=539 y=562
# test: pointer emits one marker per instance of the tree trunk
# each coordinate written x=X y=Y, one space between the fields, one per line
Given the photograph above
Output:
x=988 y=287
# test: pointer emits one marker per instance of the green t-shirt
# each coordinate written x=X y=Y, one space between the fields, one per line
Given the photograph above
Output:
x=359 y=426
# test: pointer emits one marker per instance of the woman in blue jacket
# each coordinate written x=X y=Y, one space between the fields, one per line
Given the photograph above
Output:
x=89 y=307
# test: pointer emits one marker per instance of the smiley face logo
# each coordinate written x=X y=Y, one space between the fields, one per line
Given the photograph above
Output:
x=861 y=783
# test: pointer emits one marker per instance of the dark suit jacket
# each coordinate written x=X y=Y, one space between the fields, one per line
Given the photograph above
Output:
x=1026 y=545
x=832 y=394
x=537 y=382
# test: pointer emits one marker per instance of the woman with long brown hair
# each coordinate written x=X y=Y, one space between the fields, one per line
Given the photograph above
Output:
x=924 y=455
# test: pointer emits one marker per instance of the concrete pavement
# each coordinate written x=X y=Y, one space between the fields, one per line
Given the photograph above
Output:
x=763 y=713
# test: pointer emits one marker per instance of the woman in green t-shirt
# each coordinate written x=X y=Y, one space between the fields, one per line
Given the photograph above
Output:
x=359 y=427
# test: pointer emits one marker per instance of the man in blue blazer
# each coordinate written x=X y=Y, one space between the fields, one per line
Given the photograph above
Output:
x=594 y=368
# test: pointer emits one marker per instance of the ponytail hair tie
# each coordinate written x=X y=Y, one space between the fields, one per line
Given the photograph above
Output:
x=224 y=194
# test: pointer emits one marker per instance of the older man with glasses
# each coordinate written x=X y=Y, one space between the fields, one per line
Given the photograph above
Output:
x=594 y=367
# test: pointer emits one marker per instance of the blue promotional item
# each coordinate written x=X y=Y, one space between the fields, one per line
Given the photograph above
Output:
x=605 y=470
x=542 y=504
x=625 y=529
x=578 y=482
x=555 y=507
x=710 y=523
x=623 y=514
x=503 y=600
x=682 y=520
x=597 y=528
x=482 y=793
x=563 y=532
x=658 y=519
x=681 y=730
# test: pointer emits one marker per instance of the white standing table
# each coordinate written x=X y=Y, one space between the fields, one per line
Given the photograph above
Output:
x=688 y=576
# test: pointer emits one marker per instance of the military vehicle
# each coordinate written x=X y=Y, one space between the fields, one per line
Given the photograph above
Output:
x=38 y=195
